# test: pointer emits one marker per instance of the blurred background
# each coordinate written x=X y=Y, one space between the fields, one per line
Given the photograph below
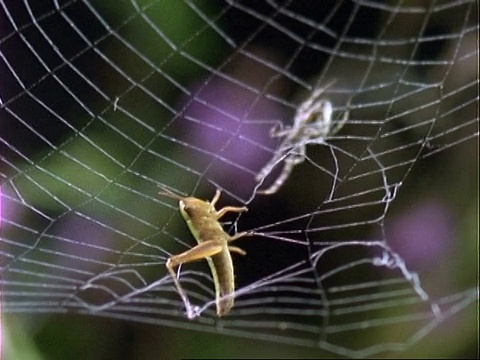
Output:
x=370 y=247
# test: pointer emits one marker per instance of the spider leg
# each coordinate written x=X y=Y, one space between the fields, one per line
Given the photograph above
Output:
x=280 y=131
x=276 y=128
x=280 y=154
x=289 y=164
x=267 y=169
x=343 y=120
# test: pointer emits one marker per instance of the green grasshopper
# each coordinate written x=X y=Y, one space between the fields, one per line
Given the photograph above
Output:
x=213 y=245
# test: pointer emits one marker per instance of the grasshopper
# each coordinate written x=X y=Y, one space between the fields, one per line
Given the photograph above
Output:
x=213 y=245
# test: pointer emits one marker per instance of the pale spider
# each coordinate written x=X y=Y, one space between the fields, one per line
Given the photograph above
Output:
x=312 y=124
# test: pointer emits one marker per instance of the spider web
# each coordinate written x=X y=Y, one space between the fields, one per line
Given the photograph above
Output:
x=102 y=102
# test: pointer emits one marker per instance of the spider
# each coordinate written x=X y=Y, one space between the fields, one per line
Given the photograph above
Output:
x=312 y=125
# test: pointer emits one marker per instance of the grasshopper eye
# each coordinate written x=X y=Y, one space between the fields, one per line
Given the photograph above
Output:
x=184 y=207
